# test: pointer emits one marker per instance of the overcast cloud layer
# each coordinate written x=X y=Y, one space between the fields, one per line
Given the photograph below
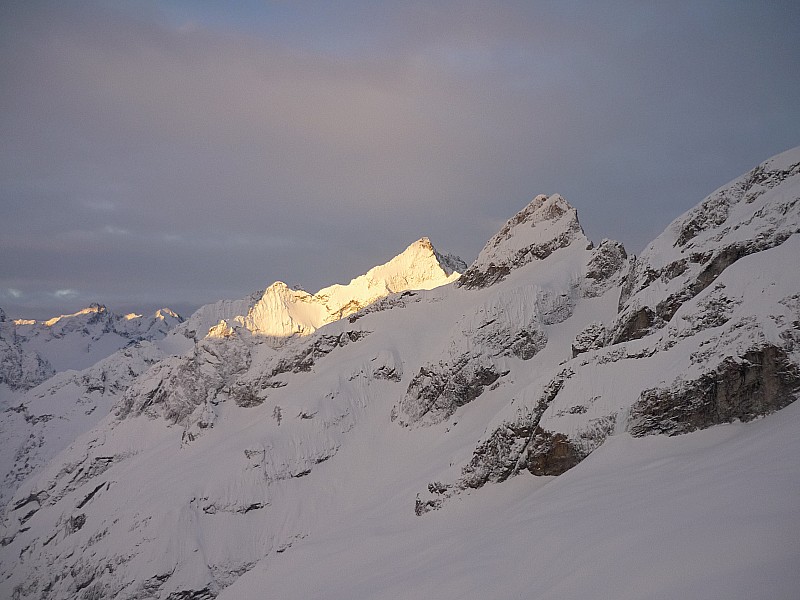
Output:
x=176 y=153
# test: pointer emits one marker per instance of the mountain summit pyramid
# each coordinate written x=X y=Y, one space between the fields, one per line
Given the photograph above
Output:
x=282 y=312
x=545 y=225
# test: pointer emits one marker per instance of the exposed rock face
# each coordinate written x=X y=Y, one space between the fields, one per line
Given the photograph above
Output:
x=760 y=382
x=523 y=444
x=303 y=356
x=510 y=325
x=436 y=392
x=592 y=337
x=715 y=210
x=743 y=218
x=177 y=386
x=547 y=224
x=603 y=271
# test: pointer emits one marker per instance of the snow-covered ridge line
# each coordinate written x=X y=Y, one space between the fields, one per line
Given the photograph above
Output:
x=283 y=312
x=547 y=224
x=96 y=308
x=33 y=351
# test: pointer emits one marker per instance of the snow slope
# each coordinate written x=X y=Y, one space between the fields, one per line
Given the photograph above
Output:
x=712 y=514
x=411 y=448
x=51 y=390
x=40 y=422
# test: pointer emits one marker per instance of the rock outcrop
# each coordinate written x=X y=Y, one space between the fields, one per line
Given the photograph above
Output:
x=547 y=224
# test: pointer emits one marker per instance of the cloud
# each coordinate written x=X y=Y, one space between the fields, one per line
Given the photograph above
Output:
x=65 y=294
x=312 y=144
x=13 y=293
x=112 y=230
x=99 y=205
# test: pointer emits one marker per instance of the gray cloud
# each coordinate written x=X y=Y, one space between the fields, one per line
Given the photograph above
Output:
x=177 y=156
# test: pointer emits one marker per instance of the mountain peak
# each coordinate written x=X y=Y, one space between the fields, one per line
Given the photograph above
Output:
x=423 y=242
x=163 y=313
x=546 y=224
x=282 y=312
x=94 y=308
x=420 y=262
x=226 y=468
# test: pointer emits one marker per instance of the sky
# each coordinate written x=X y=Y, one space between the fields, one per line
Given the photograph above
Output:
x=175 y=153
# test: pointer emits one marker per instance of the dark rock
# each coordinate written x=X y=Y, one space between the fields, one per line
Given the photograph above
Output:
x=303 y=359
x=551 y=453
x=637 y=325
x=511 y=447
x=481 y=278
x=437 y=391
x=423 y=506
x=204 y=594
x=760 y=382
x=75 y=523
x=606 y=262
x=245 y=396
x=592 y=337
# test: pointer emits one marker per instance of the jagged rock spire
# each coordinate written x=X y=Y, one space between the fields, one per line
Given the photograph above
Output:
x=545 y=225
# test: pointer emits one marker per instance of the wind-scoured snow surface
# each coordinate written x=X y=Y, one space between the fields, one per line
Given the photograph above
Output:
x=565 y=421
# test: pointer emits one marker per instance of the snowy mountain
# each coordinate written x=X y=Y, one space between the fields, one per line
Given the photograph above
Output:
x=20 y=369
x=32 y=351
x=282 y=312
x=565 y=420
x=45 y=408
x=42 y=421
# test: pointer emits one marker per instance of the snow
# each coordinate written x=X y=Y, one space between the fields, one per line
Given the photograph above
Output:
x=97 y=354
x=77 y=341
x=283 y=312
x=707 y=515
x=236 y=466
